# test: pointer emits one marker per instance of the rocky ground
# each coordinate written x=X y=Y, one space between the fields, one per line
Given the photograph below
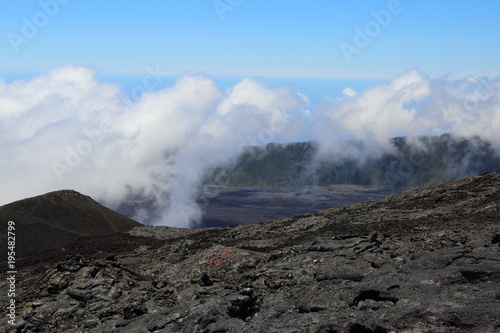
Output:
x=225 y=206
x=421 y=261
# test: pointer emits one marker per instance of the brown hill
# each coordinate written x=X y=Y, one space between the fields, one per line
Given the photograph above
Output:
x=52 y=220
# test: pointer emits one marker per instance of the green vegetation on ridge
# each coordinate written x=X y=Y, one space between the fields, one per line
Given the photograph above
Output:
x=413 y=162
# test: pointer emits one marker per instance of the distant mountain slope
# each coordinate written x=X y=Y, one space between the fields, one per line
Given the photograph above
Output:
x=433 y=160
x=55 y=219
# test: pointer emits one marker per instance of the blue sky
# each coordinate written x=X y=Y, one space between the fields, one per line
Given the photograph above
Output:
x=294 y=39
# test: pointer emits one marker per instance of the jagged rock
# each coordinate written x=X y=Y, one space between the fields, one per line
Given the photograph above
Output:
x=399 y=264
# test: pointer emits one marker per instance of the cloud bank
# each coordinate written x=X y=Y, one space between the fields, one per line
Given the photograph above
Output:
x=66 y=129
x=410 y=105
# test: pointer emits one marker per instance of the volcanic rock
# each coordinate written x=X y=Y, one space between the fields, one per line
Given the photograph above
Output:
x=421 y=261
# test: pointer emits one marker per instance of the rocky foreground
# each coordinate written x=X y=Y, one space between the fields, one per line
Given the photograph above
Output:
x=422 y=261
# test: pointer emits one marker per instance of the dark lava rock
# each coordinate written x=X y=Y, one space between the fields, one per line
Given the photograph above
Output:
x=421 y=261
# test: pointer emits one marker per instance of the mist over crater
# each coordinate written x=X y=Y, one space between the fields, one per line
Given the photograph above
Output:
x=68 y=129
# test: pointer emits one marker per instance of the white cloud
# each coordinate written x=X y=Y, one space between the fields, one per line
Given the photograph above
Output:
x=304 y=98
x=412 y=104
x=349 y=92
x=68 y=130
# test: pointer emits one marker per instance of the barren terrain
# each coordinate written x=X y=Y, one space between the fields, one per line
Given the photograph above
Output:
x=421 y=261
x=225 y=206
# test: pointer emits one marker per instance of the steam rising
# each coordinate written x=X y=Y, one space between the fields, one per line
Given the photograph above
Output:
x=66 y=129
